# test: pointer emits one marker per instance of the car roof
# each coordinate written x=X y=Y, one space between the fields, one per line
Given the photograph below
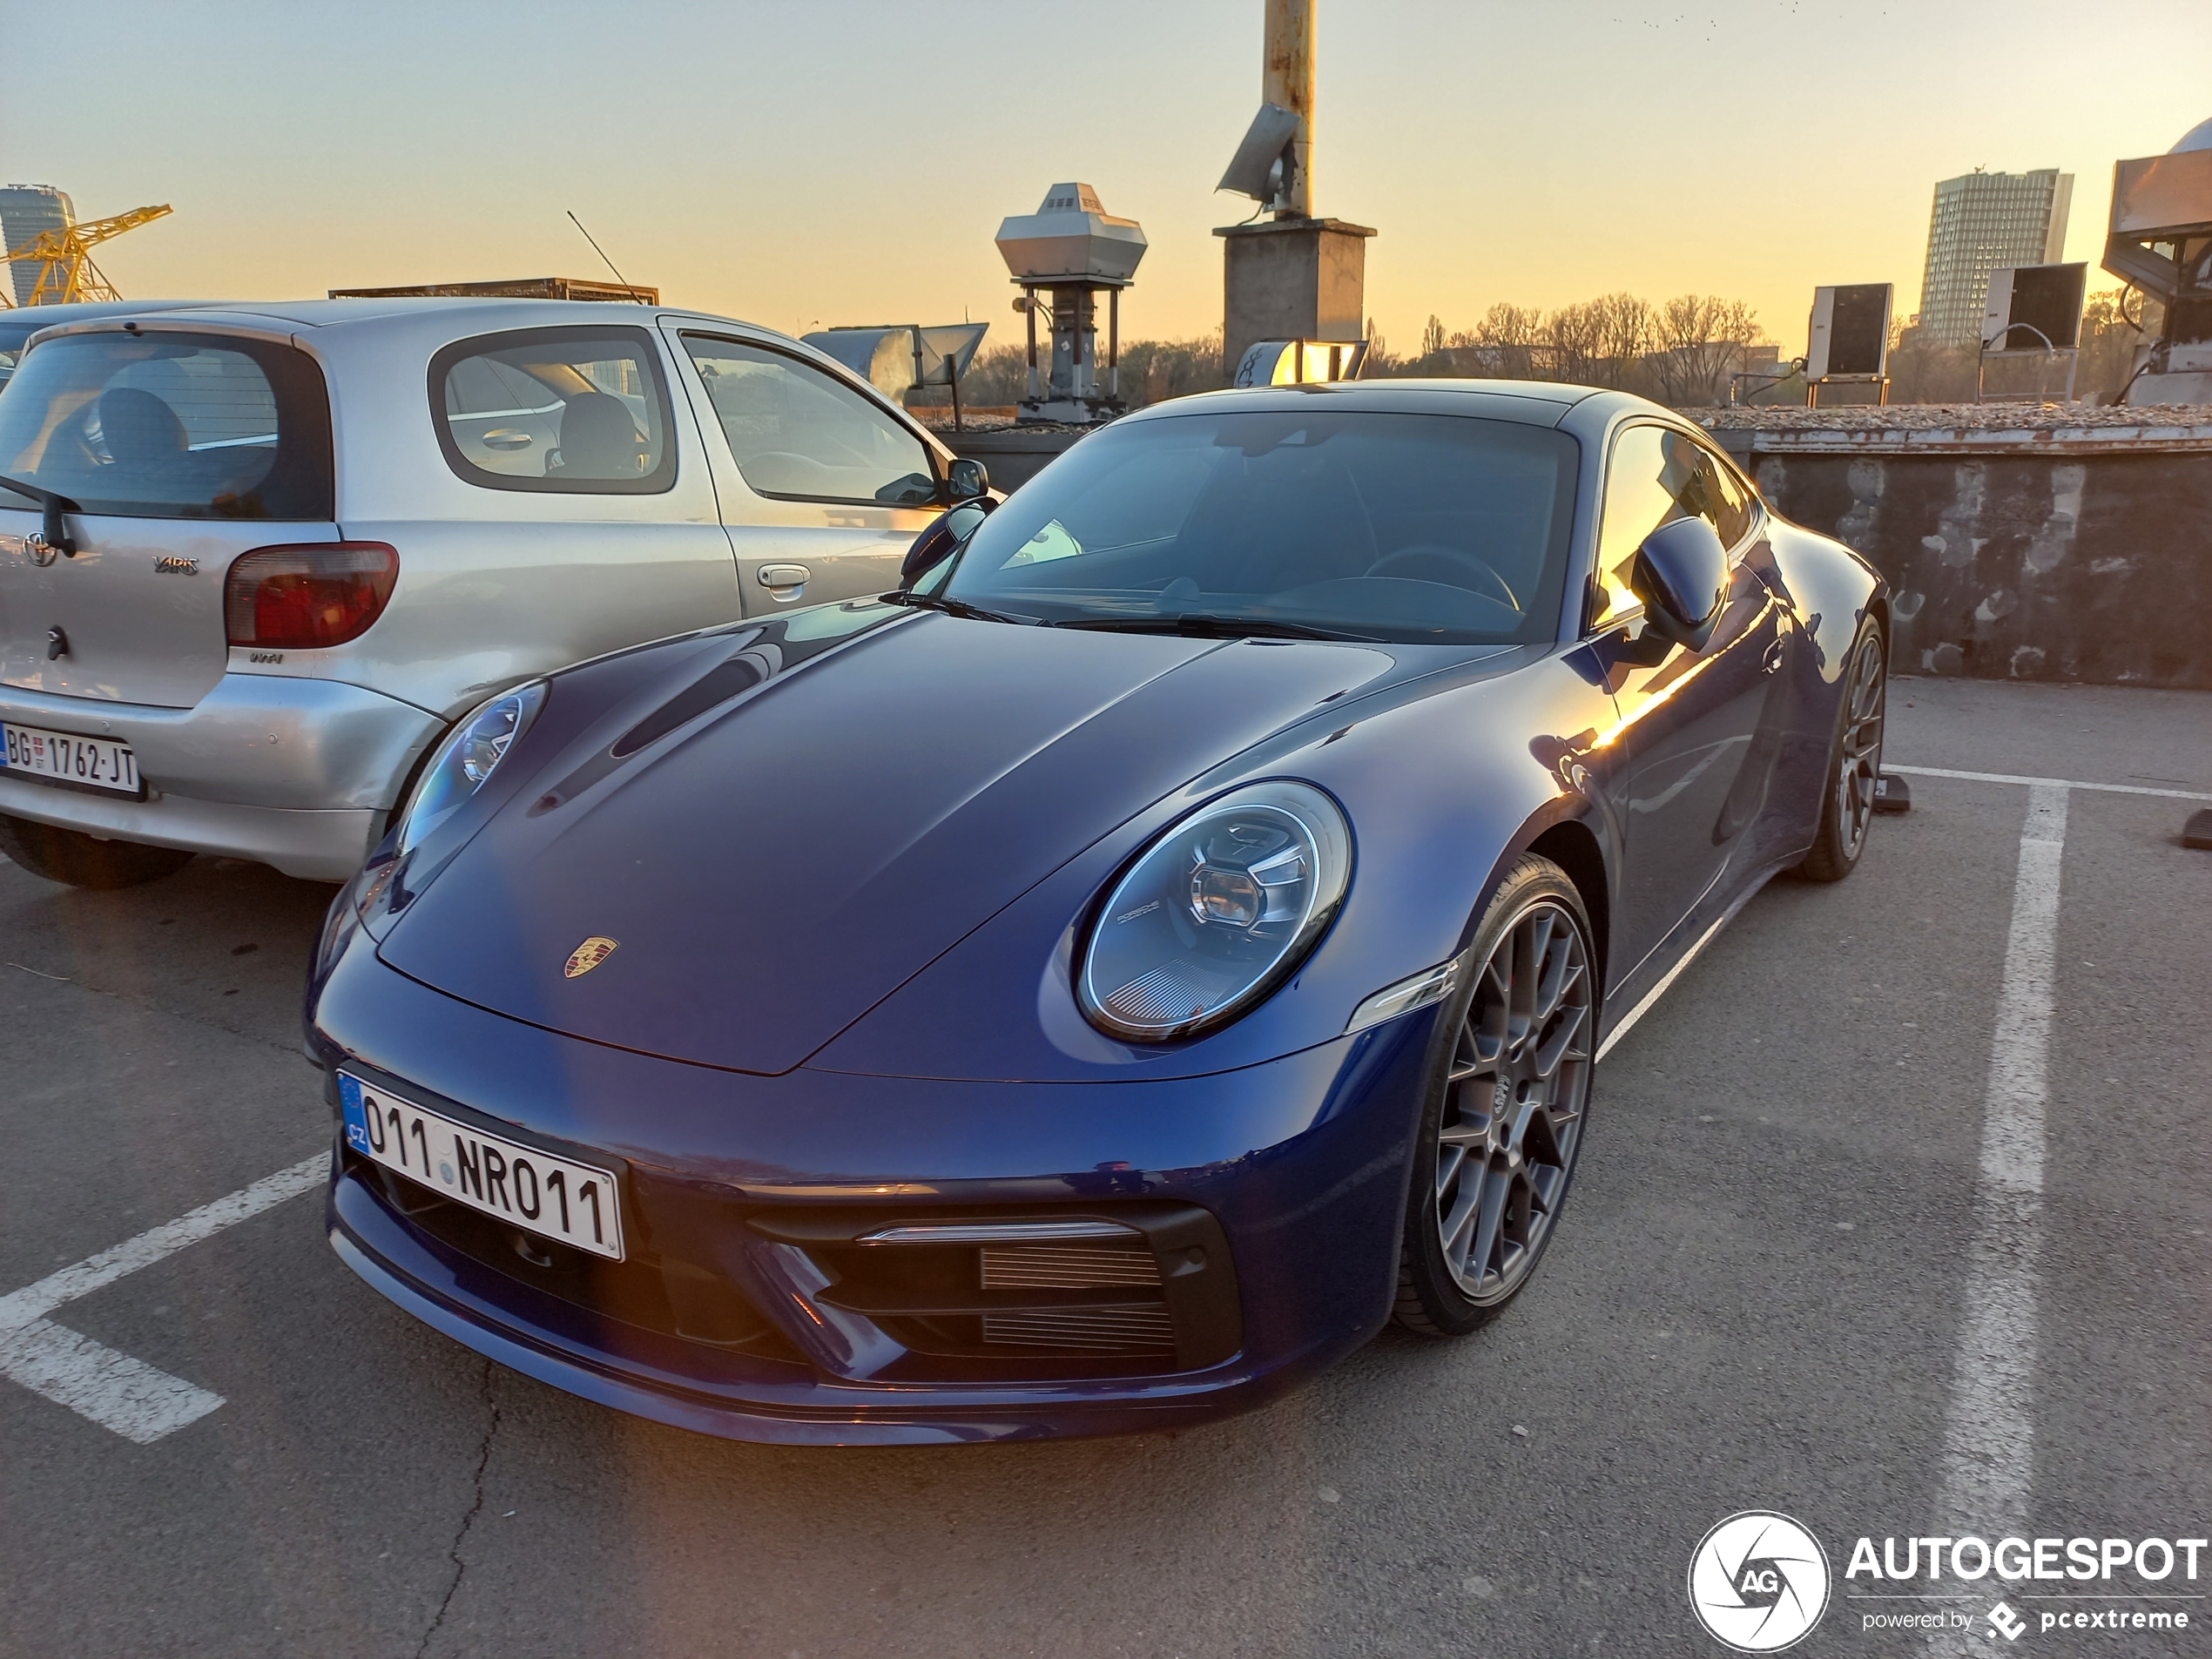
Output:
x=1535 y=402
x=451 y=318
x=1586 y=410
x=495 y=313
x=20 y=323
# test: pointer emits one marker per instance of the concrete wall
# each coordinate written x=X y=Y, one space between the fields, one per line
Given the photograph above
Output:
x=2093 y=565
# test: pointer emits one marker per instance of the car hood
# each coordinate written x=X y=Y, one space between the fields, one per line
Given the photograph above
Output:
x=772 y=868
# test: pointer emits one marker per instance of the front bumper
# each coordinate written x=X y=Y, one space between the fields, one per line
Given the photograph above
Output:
x=1298 y=1167
x=296 y=773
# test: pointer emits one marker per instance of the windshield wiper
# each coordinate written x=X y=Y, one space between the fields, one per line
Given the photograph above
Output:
x=1199 y=624
x=952 y=607
x=53 y=528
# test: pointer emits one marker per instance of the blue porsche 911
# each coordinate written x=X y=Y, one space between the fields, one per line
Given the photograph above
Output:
x=1105 y=981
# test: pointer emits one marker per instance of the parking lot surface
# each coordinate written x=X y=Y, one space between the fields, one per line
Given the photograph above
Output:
x=1894 y=1219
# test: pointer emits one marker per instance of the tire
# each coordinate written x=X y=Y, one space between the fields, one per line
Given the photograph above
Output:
x=1854 y=761
x=80 y=860
x=1507 y=1098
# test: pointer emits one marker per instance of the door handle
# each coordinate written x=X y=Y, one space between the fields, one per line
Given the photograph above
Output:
x=1773 y=660
x=782 y=575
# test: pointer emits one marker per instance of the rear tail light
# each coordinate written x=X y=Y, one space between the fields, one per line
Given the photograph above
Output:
x=318 y=593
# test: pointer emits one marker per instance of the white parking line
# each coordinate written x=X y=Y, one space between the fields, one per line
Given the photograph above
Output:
x=2050 y=783
x=114 y=1390
x=1989 y=1440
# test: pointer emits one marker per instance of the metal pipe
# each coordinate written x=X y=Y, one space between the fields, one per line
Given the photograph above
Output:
x=1029 y=311
x=1113 y=342
x=1287 y=79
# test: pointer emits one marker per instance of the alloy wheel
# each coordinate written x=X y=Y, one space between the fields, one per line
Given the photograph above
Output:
x=1515 y=1096
x=1858 y=768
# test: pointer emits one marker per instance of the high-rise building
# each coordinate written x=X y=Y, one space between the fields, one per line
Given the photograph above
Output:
x=27 y=211
x=1983 y=220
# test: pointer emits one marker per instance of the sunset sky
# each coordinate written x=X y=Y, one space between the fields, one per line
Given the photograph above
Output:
x=848 y=161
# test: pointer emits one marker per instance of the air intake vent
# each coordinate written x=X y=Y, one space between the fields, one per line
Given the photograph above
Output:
x=1119 y=1329
x=1066 y=1267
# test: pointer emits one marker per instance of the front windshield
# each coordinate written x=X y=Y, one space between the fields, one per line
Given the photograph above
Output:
x=1409 y=528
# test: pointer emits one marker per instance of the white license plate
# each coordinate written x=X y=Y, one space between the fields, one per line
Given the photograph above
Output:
x=551 y=1196
x=94 y=762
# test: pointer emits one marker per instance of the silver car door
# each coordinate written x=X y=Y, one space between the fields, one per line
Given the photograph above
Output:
x=572 y=515
x=822 y=488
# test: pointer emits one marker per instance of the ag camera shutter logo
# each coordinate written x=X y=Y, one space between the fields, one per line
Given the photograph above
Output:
x=1758 y=1581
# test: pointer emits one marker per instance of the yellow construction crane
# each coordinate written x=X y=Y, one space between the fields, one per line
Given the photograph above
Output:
x=66 y=273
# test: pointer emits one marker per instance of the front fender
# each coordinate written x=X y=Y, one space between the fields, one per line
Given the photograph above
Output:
x=1445 y=781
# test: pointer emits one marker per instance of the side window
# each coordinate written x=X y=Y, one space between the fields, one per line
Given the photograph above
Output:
x=1724 y=495
x=1655 y=476
x=567 y=410
x=172 y=426
x=798 y=434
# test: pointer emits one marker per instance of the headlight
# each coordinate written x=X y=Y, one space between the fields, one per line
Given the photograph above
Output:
x=1218 y=911
x=467 y=758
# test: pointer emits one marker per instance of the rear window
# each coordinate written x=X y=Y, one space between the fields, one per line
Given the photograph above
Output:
x=171 y=426
x=566 y=410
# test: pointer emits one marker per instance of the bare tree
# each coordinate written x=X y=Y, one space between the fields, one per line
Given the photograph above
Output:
x=1575 y=334
x=1625 y=328
x=1697 y=340
x=1506 y=341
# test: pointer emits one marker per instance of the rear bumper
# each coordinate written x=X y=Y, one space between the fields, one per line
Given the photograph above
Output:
x=295 y=774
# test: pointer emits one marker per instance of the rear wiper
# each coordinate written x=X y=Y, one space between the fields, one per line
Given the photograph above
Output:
x=1200 y=624
x=952 y=607
x=54 y=531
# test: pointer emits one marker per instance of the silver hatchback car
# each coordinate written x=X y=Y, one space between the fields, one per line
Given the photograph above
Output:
x=256 y=560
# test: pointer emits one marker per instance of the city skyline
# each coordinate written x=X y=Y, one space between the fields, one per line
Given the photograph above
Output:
x=806 y=168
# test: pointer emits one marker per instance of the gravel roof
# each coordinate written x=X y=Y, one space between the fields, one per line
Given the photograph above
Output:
x=1953 y=417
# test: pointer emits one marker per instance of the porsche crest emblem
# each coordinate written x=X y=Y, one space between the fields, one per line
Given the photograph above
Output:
x=587 y=956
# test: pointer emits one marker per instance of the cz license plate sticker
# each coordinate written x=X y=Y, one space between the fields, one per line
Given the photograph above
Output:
x=554 y=1198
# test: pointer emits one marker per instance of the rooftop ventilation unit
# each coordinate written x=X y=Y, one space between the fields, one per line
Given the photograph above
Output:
x=2161 y=242
x=1062 y=257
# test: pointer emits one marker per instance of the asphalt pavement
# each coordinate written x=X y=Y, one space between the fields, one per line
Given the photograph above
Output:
x=1775 y=1289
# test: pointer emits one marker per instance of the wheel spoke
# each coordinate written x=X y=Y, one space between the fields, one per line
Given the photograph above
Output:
x=1555 y=1046
x=1561 y=973
x=1458 y=1224
x=1449 y=1162
x=1495 y=1186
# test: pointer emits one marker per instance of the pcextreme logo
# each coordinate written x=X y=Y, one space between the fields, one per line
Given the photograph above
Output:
x=1758 y=1581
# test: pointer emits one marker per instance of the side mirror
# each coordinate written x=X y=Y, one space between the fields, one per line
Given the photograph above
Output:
x=944 y=537
x=1681 y=574
x=967 y=480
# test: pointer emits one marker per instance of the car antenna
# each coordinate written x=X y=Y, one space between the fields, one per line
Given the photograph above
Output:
x=601 y=252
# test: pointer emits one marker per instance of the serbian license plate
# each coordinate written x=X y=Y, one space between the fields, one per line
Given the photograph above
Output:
x=95 y=763
x=551 y=1196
